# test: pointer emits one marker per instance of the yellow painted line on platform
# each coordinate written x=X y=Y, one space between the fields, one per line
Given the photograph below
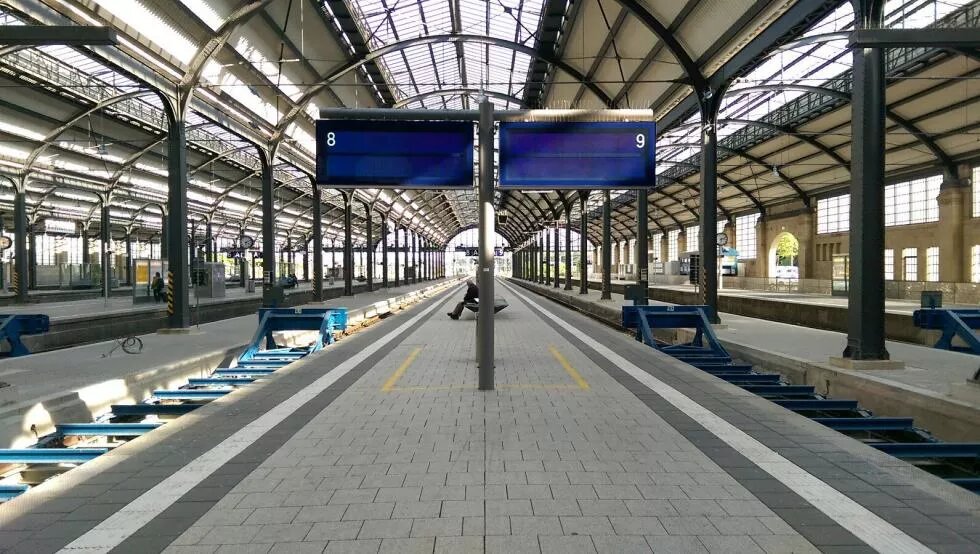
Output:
x=390 y=383
x=582 y=384
x=544 y=386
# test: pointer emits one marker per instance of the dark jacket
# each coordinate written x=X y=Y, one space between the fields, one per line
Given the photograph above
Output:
x=472 y=292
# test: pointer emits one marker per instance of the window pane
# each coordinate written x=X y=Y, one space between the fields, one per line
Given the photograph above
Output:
x=910 y=261
x=913 y=201
x=932 y=264
x=693 y=238
x=672 y=244
x=745 y=237
x=834 y=214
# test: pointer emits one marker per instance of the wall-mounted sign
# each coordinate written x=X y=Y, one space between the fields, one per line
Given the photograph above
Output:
x=62 y=226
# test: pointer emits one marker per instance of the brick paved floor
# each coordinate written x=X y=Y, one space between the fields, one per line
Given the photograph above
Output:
x=560 y=458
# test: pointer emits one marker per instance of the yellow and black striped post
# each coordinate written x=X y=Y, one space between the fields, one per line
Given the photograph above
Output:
x=15 y=280
x=170 y=293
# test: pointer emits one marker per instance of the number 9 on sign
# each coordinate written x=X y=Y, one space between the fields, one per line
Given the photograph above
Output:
x=641 y=140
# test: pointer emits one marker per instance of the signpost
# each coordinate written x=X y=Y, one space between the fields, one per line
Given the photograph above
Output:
x=577 y=155
x=394 y=154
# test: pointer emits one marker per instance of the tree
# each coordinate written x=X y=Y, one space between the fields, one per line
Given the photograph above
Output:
x=787 y=249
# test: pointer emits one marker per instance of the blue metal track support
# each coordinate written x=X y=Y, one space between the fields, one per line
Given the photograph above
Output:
x=822 y=405
x=780 y=390
x=750 y=378
x=12 y=327
x=867 y=423
x=213 y=381
x=8 y=492
x=105 y=429
x=324 y=320
x=728 y=368
x=924 y=450
x=968 y=483
x=191 y=394
x=244 y=372
x=645 y=319
x=959 y=323
x=152 y=409
x=49 y=455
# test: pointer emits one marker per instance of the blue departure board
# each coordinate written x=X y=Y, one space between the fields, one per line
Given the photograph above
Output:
x=394 y=154
x=601 y=155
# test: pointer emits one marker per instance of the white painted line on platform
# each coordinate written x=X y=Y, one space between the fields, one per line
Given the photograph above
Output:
x=876 y=532
x=122 y=524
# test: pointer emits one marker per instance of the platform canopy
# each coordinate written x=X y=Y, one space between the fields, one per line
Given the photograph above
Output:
x=86 y=121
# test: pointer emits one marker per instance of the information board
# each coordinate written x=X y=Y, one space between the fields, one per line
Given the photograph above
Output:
x=598 y=155
x=394 y=154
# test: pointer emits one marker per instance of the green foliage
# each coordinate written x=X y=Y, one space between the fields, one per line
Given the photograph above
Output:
x=787 y=249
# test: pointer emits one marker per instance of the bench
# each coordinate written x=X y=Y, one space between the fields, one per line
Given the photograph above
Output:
x=498 y=304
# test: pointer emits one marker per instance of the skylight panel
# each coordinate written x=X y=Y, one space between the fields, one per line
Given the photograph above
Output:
x=425 y=68
x=206 y=12
x=151 y=26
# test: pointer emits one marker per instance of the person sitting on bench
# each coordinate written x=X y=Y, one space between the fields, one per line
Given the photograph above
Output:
x=472 y=294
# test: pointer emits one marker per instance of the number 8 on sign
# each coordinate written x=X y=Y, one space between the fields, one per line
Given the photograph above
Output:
x=331 y=139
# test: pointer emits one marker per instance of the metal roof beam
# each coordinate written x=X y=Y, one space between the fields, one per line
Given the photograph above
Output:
x=66 y=35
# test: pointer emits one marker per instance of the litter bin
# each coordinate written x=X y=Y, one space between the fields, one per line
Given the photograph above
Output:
x=931 y=299
x=250 y=285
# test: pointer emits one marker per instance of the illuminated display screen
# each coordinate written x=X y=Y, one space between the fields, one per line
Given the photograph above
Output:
x=603 y=155
x=394 y=154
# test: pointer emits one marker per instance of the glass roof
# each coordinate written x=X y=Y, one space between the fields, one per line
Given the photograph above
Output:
x=813 y=64
x=416 y=73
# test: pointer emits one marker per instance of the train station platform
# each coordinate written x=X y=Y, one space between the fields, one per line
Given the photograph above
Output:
x=783 y=306
x=81 y=321
x=932 y=387
x=591 y=442
x=75 y=384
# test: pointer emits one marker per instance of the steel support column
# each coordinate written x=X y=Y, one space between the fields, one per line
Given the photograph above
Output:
x=32 y=255
x=268 y=222
x=348 y=244
x=164 y=248
x=583 y=266
x=317 y=243
x=209 y=243
x=243 y=263
x=105 y=236
x=606 y=247
x=557 y=256
x=19 y=277
x=484 y=334
x=129 y=259
x=866 y=293
x=397 y=247
x=175 y=232
x=709 y=204
x=384 y=251
x=86 y=255
x=369 y=231
x=546 y=257
x=642 y=240
x=568 y=247
x=415 y=257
